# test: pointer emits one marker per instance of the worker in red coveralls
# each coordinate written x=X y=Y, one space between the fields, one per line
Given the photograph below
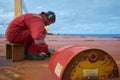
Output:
x=30 y=29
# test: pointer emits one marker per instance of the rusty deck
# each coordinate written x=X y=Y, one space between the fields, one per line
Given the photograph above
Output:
x=38 y=70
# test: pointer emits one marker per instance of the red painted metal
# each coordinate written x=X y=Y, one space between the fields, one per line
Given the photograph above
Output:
x=62 y=57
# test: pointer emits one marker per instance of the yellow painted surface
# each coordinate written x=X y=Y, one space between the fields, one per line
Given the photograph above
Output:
x=103 y=68
x=17 y=8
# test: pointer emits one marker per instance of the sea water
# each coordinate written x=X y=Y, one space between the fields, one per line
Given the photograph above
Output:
x=96 y=35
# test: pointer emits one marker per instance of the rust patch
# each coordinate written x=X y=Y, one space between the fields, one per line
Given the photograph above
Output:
x=101 y=55
x=10 y=74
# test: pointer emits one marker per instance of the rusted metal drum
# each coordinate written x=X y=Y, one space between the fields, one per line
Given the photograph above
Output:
x=82 y=63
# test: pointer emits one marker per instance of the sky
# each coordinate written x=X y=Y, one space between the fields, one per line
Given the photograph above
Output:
x=72 y=16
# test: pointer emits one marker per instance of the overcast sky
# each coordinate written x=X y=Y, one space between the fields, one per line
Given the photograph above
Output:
x=73 y=16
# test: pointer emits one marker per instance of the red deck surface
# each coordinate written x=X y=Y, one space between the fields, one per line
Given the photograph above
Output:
x=38 y=70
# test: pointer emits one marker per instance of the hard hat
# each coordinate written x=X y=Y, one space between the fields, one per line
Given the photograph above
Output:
x=50 y=16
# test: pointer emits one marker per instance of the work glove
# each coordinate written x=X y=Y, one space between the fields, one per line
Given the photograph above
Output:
x=46 y=54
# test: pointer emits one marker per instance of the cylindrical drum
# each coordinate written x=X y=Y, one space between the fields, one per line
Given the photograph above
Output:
x=82 y=63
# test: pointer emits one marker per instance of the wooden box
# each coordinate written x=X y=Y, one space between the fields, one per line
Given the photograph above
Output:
x=15 y=51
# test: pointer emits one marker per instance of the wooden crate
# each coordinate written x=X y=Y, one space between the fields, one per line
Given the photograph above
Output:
x=15 y=51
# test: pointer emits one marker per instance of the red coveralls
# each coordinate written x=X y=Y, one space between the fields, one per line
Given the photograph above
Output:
x=28 y=29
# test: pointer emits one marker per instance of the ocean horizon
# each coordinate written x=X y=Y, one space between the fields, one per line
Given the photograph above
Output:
x=96 y=35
